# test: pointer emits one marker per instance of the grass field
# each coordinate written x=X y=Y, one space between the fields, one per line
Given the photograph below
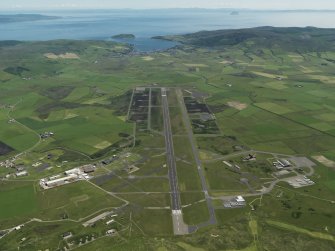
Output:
x=196 y=214
x=17 y=201
x=301 y=230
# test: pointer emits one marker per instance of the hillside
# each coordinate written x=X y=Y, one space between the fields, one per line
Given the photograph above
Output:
x=288 y=39
x=124 y=36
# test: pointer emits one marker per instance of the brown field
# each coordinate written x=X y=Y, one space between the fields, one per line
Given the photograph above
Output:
x=323 y=160
x=237 y=105
x=67 y=55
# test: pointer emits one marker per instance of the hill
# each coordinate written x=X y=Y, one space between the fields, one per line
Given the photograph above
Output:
x=124 y=36
x=288 y=39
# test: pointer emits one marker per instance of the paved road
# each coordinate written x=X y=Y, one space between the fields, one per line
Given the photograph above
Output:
x=149 y=110
x=130 y=104
x=179 y=226
x=212 y=218
x=176 y=205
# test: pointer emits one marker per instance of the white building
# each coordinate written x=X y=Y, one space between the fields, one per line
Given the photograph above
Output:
x=111 y=232
x=21 y=174
x=60 y=181
x=240 y=199
x=110 y=222
x=73 y=171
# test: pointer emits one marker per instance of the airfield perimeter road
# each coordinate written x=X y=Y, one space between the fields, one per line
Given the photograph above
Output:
x=179 y=227
x=212 y=218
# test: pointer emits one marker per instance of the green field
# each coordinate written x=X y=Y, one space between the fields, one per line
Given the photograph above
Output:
x=17 y=201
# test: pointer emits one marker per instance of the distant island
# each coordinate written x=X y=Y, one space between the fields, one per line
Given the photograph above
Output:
x=124 y=36
x=24 y=18
x=234 y=13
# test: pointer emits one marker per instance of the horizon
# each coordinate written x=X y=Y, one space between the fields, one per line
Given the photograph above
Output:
x=284 y=5
x=39 y=11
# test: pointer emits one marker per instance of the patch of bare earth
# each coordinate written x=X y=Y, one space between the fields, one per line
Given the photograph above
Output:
x=237 y=105
x=67 y=55
x=323 y=160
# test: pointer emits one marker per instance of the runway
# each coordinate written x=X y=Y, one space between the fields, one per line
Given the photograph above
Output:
x=179 y=226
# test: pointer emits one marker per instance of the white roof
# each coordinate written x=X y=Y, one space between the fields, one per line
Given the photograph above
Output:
x=51 y=182
x=240 y=199
x=109 y=222
x=22 y=173
x=74 y=170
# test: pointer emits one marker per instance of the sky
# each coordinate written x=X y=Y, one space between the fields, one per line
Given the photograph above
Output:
x=158 y=4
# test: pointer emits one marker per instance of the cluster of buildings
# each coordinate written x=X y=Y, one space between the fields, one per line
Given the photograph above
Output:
x=46 y=135
x=99 y=217
x=235 y=202
x=20 y=172
x=108 y=216
x=9 y=163
x=6 y=106
x=69 y=176
x=300 y=182
x=111 y=232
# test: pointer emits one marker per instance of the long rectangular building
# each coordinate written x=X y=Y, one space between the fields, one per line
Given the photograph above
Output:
x=61 y=181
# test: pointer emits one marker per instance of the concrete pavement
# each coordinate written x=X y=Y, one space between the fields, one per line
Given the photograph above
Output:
x=179 y=227
x=212 y=217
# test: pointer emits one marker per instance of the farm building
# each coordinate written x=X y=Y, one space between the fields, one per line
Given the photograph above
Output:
x=88 y=168
x=21 y=174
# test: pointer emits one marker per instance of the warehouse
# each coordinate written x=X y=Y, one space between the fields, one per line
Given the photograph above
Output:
x=61 y=181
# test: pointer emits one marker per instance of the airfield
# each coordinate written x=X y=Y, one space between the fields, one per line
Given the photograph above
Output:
x=227 y=150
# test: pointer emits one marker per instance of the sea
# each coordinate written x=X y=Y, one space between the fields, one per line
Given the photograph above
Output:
x=144 y=24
